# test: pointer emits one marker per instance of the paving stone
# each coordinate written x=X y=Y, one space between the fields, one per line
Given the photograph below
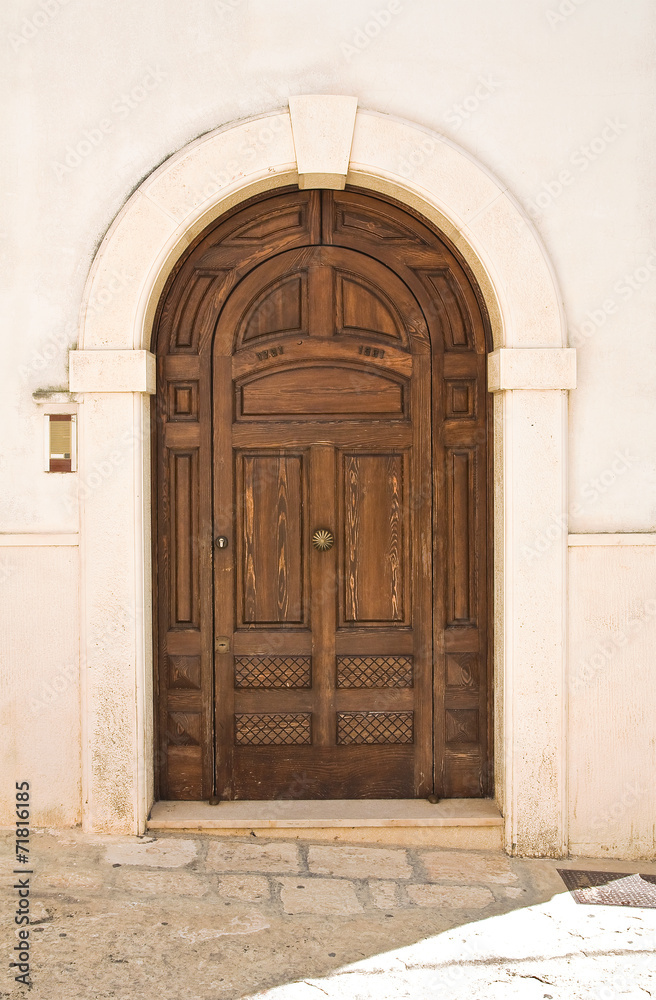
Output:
x=359 y=862
x=384 y=894
x=68 y=880
x=248 y=923
x=461 y=866
x=318 y=895
x=162 y=883
x=250 y=888
x=454 y=897
x=277 y=858
x=157 y=854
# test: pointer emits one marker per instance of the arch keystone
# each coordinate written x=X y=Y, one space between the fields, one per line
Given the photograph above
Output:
x=322 y=127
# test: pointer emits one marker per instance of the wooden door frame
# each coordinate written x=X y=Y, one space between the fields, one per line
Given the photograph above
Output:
x=530 y=371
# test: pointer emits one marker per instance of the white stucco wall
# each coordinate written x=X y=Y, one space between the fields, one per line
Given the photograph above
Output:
x=40 y=682
x=556 y=104
x=612 y=710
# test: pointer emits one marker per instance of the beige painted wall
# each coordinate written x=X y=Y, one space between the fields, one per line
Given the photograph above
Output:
x=612 y=708
x=40 y=682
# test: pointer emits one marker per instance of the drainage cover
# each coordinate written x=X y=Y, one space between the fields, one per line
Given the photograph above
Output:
x=610 y=888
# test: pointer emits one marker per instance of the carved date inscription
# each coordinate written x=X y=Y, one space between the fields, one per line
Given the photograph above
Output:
x=371 y=352
x=272 y=352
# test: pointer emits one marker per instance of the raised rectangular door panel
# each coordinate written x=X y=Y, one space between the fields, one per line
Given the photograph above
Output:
x=375 y=557
x=270 y=543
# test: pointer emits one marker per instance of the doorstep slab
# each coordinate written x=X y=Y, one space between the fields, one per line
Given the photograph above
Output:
x=359 y=819
x=352 y=814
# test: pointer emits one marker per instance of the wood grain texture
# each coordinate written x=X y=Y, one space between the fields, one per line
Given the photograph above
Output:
x=270 y=544
x=321 y=364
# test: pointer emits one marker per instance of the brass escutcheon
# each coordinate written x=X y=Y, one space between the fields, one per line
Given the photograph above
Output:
x=323 y=539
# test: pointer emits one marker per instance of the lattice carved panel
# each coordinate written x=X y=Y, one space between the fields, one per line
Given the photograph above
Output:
x=273 y=730
x=374 y=672
x=375 y=727
x=272 y=672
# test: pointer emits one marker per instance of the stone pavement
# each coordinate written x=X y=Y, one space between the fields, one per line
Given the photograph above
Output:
x=205 y=917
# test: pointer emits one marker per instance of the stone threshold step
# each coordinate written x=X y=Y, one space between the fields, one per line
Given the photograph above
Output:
x=466 y=823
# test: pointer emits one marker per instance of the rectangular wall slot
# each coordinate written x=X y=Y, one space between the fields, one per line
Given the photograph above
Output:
x=60 y=442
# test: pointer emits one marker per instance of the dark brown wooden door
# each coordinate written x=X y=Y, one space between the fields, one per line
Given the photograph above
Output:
x=321 y=365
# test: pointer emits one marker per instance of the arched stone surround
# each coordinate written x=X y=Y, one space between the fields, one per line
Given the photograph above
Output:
x=325 y=141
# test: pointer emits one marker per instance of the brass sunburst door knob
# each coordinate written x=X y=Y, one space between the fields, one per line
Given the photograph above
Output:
x=323 y=539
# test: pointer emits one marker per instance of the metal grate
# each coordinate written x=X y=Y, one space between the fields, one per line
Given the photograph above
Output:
x=273 y=730
x=375 y=727
x=272 y=671
x=374 y=671
x=610 y=888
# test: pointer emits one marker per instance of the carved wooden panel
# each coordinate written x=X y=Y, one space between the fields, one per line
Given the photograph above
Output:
x=321 y=390
x=374 y=672
x=361 y=306
x=349 y=220
x=375 y=727
x=449 y=309
x=270 y=541
x=462 y=671
x=184 y=728
x=460 y=399
x=279 y=308
x=284 y=729
x=273 y=671
x=184 y=672
x=461 y=725
x=183 y=491
x=461 y=596
x=184 y=320
x=183 y=400
x=375 y=557
x=289 y=219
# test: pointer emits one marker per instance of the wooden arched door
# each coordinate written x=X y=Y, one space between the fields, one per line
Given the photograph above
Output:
x=321 y=492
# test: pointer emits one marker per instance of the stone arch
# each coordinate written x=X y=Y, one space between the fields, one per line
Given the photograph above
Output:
x=325 y=141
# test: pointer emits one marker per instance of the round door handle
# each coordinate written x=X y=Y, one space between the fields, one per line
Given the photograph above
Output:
x=323 y=539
